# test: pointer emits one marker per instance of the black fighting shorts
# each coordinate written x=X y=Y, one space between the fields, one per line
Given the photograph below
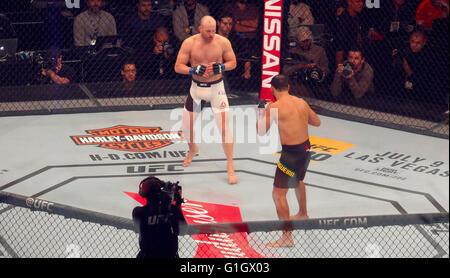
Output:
x=291 y=168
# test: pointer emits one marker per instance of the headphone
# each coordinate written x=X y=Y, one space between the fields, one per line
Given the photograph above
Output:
x=150 y=186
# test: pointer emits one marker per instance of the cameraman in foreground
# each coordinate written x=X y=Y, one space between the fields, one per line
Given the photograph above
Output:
x=159 y=220
x=54 y=70
x=353 y=79
x=311 y=64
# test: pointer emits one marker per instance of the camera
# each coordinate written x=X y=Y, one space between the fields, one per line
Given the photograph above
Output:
x=348 y=68
x=171 y=195
x=166 y=195
x=36 y=58
x=314 y=74
x=168 y=49
x=50 y=63
x=307 y=74
x=29 y=56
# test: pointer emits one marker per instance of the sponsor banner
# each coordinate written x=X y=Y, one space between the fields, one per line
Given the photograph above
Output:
x=329 y=146
x=396 y=165
x=128 y=138
x=323 y=148
x=271 y=45
x=222 y=245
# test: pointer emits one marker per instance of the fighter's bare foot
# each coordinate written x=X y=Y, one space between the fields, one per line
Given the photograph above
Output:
x=298 y=216
x=284 y=241
x=232 y=178
x=188 y=160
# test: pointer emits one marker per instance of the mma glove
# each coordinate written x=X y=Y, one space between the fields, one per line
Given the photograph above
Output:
x=218 y=68
x=262 y=105
x=198 y=70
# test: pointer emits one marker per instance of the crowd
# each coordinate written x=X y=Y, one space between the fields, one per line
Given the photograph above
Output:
x=339 y=50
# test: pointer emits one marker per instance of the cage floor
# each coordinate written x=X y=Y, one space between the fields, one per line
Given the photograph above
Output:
x=95 y=161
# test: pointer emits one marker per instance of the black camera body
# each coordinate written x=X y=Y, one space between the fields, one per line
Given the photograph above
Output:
x=36 y=58
x=50 y=63
x=312 y=75
x=168 y=49
x=348 y=68
x=171 y=195
x=162 y=195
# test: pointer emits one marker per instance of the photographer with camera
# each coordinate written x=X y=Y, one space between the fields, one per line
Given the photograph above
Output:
x=52 y=69
x=353 y=79
x=159 y=220
x=311 y=68
x=158 y=55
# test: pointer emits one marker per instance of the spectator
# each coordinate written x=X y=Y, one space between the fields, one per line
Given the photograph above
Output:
x=55 y=71
x=416 y=64
x=158 y=55
x=128 y=73
x=439 y=42
x=429 y=10
x=144 y=21
x=299 y=14
x=224 y=28
x=399 y=18
x=186 y=19
x=245 y=27
x=93 y=23
x=423 y=78
x=348 y=29
x=313 y=56
x=387 y=27
x=353 y=87
x=225 y=25
x=245 y=19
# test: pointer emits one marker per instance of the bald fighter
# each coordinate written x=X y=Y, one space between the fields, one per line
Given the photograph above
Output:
x=292 y=115
x=209 y=55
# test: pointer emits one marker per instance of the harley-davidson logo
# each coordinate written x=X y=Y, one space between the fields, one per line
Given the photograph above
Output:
x=129 y=138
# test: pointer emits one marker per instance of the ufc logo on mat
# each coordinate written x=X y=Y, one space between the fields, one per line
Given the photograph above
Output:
x=70 y=4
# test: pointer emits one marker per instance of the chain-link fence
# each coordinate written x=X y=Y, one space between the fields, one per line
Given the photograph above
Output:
x=31 y=227
x=383 y=62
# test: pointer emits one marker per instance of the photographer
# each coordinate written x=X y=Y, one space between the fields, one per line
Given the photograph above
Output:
x=53 y=69
x=311 y=66
x=159 y=220
x=158 y=55
x=353 y=79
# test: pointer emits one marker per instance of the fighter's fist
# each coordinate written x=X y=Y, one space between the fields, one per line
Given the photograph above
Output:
x=198 y=70
x=218 y=68
x=263 y=103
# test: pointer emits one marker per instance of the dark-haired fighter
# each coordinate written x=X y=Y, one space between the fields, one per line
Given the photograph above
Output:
x=292 y=114
x=209 y=55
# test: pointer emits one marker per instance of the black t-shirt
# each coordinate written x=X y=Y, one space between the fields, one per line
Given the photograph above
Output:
x=134 y=28
x=158 y=231
x=348 y=32
x=421 y=66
